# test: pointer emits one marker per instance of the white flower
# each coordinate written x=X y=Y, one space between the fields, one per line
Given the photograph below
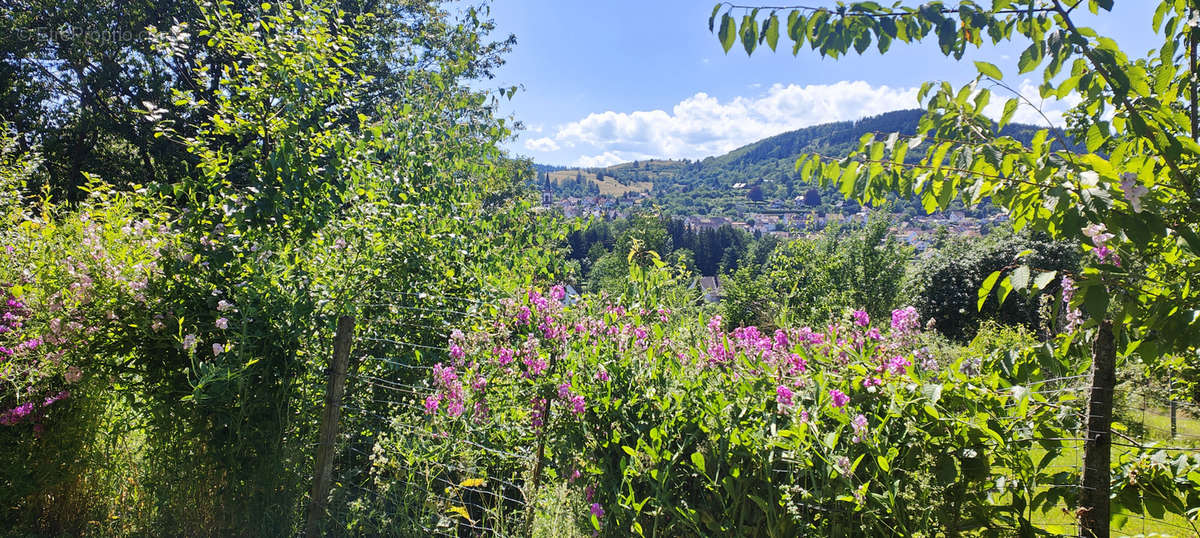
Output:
x=189 y=342
x=222 y=323
x=218 y=349
x=1134 y=191
x=224 y=306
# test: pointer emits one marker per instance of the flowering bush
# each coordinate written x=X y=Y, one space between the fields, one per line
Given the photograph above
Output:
x=73 y=285
x=665 y=426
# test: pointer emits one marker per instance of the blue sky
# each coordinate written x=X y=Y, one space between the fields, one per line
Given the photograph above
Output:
x=609 y=81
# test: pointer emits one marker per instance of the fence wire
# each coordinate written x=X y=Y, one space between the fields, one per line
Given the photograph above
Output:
x=397 y=475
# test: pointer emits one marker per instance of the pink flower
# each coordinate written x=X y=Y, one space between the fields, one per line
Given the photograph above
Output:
x=504 y=355
x=444 y=376
x=861 y=318
x=455 y=408
x=781 y=339
x=839 y=398
x=905 y=320
x=536 y=417
x=898 y=365
x=783 y=396
x=431 y=403
x=536 y=366
x=860 y=428
x=843 y=464
x=578 y=406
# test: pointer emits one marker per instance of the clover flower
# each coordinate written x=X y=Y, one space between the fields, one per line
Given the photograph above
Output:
x=860 y=428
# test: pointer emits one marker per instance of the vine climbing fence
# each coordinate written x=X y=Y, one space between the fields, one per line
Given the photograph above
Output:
x=381 y=468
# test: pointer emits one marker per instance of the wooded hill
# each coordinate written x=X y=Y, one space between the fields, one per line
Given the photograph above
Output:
x=763 y=171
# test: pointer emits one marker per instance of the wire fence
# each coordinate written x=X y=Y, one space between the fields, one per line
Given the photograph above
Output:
x=396 y=474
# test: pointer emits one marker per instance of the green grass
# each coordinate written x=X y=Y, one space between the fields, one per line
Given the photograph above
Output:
x=1151 y=424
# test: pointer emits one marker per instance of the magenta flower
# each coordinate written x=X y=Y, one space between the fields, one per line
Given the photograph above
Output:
x=597 y=510
x=781 y=339
x=839 y=398
x=457 y=352
x=523 y=315
x=455 y=408
x=432 y=402
x=783 y=396
x=905 y=320
x=564 y=390
x=861 y=318
x=898 y=365
x=558 y=292
x=504 y=356
x=578 y=406
x=602 y=375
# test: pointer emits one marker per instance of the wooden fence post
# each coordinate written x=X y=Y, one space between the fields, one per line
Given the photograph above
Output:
x=334 y=390
x=1093 y=495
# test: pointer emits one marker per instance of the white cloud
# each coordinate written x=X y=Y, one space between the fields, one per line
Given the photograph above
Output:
x=702 y=125
x=1052 y=108
x=541 y=144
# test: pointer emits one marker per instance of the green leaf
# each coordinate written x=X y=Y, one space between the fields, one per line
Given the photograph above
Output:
x=1044 y=279
x=712 y=18
x=1030 y=58
x=698 y=461
x=749 y=32
x=1096 y=301
x=1020 y=277
x=1010 y=107
x=1094 y=139
x=989 y=70
x=1005 y=289
x=986 y=289
x=771 y=32
x=727 y=32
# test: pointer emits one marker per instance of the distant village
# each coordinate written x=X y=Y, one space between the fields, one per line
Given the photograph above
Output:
x=777 y=219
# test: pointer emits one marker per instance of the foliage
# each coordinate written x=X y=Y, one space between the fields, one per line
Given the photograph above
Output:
x=944 y=283
x=665 y=426
x=76 y=78
x=810 y=280
x=1130 y=205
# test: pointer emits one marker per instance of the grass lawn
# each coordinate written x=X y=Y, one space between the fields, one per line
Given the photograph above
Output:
x=1150 y=424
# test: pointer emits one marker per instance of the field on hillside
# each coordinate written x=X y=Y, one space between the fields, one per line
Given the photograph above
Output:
x=608 y=185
